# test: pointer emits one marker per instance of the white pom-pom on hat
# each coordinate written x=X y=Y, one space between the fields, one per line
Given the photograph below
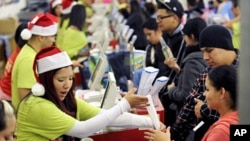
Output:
x=38 y=90
x=47 y=59
x=41 y=24
x=26 y=34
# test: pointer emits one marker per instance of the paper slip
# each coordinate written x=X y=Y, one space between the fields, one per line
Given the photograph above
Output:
x=152 y=113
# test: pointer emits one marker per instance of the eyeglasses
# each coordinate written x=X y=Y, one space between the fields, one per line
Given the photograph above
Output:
x=160 y=18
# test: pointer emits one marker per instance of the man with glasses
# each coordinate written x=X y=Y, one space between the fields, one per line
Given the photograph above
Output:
x=169 y=15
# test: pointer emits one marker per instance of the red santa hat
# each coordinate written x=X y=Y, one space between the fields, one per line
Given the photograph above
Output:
x=47 y=59
x=67 y=6
x=41 y=24
x=54 y=3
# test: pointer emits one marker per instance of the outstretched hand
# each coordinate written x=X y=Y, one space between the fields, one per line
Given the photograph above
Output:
x=136 y=101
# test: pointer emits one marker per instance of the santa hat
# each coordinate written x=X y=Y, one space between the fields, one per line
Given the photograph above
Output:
x=47 y=59
x=54 y=3
x=67 y=6
x=41 y=24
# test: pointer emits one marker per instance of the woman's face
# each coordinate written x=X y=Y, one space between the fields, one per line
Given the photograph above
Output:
x=212 y=95
x=8 y=133
x=153 y=36
x=58 y=10
x=63 y=81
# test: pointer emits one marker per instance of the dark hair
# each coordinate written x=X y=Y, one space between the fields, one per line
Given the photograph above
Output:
x=219 y=1
x=235 y=3
x=225 y=76
x=18 y=39
x=68 y=105
x=77 y=16
x=151 y=24
x=194 y=26
x=192 y=2
x=64 y=17
x=150 y=8
x=2 y=117
x=136 y=8
x=53 y=11
x=6 y=111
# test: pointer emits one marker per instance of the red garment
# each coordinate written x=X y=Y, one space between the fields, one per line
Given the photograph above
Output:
x=220 y=130
x=5 y=82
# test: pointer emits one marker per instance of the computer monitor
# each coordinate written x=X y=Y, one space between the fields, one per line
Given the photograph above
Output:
x=111 y=95
x=102 y=64
x=95 y=81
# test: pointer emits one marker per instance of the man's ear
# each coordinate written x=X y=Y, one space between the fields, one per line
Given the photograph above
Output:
x=40 y=38
x=192 y=37
x=176 y=17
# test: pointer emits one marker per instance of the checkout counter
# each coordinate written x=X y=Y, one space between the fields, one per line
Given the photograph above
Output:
x=135 y=134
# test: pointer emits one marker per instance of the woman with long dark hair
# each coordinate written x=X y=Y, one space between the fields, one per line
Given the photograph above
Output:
x=74 y=38
x=135 y=21
x=52 y=111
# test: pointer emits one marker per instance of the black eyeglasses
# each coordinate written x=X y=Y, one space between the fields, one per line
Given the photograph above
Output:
x=160 y=18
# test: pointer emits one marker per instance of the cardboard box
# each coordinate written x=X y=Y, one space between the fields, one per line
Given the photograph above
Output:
x=8 y=25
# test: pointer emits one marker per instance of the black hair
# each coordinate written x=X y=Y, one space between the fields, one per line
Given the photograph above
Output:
x=77 y=16
x=6 y=111
x=2 y=117
x=225 y=76
x=53 y=11
x=151 y=24
x=136 y=8
x=235 y=3
x=18 y=39
x=63 y=18
x=124 y=12
x=150 y=8
x=194 y=26
x=192 y=2
x=219 y=1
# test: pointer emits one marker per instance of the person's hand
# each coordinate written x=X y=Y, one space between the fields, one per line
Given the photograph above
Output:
x=123 y=93
x=156 y=135
x=172 y=63
x=170 y=86
x=136 y=101
x=162 y=127
x=197 y=108
x=77 y=63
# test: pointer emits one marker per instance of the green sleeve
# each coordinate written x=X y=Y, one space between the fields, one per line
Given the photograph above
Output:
x=49 y=121
x=85 y=110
